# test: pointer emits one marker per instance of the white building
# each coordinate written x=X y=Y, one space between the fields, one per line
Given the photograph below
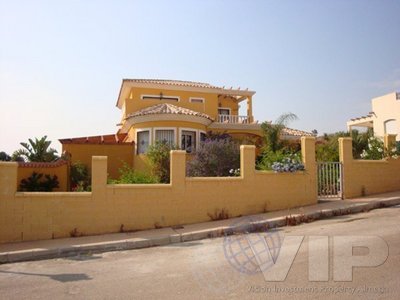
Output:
x=384 y=117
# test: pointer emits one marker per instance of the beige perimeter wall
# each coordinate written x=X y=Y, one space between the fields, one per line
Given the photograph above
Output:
x=367 y=177
x=32 y=216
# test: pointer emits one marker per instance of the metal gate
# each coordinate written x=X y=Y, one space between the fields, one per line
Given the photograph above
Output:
x=330 y=180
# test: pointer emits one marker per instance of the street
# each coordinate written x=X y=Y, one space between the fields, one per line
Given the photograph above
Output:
x=205 y=270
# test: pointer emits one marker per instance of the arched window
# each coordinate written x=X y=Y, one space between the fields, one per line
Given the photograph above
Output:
x=390 y=126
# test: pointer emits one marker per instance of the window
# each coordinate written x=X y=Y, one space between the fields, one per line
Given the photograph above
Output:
x=165 y=136
x=188 y=141
x=196 y=100
x=390 y=126
x=159 y=97
x=203 y=136
x=142 y=141
x=224 y=111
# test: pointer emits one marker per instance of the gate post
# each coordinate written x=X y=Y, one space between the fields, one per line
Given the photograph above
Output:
x=308 y=157
x=346 y=158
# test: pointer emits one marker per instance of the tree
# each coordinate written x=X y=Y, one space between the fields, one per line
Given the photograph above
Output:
x=327 y=147
x=272 y=132
x=38 y=150
x=4 y=156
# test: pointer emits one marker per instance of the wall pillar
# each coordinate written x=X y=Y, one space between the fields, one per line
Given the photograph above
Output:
x=8 y=178
x=99 y=175
x=247 y=161
x=249 y=109
x=346 y=158
x=389 y=141
x=310 y=165
x=178 y=168
x=345 y=150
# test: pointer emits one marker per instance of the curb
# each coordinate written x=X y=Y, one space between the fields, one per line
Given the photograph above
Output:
x=130 y=244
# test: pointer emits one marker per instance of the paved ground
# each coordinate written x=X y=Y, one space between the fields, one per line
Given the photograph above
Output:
x=199 y=270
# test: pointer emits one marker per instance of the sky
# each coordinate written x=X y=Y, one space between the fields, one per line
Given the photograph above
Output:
x=62 y=62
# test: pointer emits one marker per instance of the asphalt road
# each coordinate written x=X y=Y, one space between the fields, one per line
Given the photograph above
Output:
x=207 y=270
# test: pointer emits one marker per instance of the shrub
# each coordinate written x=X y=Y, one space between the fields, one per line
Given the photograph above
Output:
x=159 y=157
x=80 y=179
x=288 y=164
x=130 y=176
x=215 y=158
x=36 y=183
x=375 y=150
x=280 y=161
x=4 y=156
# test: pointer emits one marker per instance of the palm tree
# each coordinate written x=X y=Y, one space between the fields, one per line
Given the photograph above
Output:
x=273 y=132
x=38 y=150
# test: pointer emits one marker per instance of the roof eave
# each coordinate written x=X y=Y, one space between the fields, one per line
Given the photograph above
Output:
x=127 y=83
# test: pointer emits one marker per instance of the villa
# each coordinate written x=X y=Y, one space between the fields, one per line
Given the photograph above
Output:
x=177 y=112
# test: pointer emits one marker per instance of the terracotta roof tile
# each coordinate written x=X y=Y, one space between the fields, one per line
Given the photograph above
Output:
x=166 y=108
x=295 y=132
x=54 y=164
x=174 y=82
x=109 y=139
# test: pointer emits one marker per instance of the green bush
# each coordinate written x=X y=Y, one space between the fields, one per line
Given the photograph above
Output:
x=280 y=161
x=80 y=179
x=36 y=183
x=130 y=176
x=159 y=157
x=219 y=157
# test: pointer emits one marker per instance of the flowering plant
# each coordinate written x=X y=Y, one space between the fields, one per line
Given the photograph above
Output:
x=290 y=163
x=376 y=150
x=234 y=172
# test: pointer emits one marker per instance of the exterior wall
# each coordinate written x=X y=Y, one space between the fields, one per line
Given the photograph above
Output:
x=209 y=107
x=177 y=125
x=31 y=216
x=62 y=173
x=228 y=102
x=386 y=108
x=117 y=154
x=366 y=177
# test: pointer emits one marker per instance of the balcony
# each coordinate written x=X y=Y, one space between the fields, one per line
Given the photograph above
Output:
x=232 y=119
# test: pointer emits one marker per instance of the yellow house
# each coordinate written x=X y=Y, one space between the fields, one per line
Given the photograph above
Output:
x=173 y=111
x=384 y=117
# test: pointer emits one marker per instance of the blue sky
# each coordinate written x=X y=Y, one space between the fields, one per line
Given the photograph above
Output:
x=62 y=62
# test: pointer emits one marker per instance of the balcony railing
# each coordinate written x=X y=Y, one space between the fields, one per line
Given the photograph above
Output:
x=231 y=119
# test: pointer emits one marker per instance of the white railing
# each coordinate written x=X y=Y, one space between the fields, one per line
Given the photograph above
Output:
x=330 y=180
x=233 y=119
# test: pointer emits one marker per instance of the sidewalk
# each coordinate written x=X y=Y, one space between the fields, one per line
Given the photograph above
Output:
x=35 y=250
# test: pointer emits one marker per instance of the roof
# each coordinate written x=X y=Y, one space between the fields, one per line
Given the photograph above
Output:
x=170 y=84
x=109 y=139
x=174 y=82
x=370 y=115
x=53 y=164
x=167 y=108
x=295 y=132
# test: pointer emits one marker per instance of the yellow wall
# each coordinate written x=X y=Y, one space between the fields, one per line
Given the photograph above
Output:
x=117 y=154
x=61 y=172
x=135 y=103
x=366 y=177
x=32 y=216
x=228 y=102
